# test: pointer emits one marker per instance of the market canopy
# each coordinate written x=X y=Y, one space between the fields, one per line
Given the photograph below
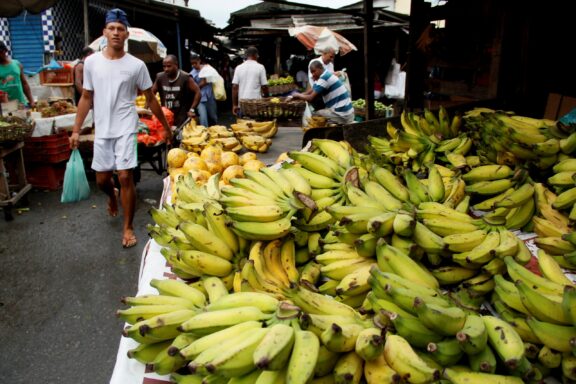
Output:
x=141 y=43
x=11 y=8
x=319 y=38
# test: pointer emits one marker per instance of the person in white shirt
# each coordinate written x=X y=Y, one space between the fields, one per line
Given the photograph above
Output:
x=112 y=79
x=249 y=80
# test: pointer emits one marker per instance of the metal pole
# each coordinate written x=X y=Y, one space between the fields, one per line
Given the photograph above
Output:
x=179 y=44
x=368 y=67
x=86 y=26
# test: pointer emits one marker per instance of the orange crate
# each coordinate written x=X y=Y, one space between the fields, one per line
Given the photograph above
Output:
x=57 y=76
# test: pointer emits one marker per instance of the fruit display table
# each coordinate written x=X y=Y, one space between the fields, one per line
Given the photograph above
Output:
x=152 y=266
x=11 y=192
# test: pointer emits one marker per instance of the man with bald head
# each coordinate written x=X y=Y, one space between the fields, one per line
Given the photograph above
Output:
x=178 y=90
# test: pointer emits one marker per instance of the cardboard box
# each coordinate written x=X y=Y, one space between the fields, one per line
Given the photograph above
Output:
x=558 y=105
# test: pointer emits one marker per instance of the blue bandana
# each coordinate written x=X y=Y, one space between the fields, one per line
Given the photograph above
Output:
x=117 y=15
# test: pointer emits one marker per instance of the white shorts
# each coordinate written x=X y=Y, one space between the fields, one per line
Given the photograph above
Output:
x=115 y=154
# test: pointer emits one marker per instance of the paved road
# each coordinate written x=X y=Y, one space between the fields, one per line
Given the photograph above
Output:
x=62 y=274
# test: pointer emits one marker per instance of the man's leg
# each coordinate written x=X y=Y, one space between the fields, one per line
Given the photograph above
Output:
x=128 y=198
x=212 y=112
x=202 y=114
x=105 y=183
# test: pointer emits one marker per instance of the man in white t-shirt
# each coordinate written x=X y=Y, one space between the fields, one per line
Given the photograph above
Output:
x=249 y=80
x=112 y=79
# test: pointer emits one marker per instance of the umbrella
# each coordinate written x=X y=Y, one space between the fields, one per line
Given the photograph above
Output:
x=11 y=8
x=319 y=38
x=141 y=43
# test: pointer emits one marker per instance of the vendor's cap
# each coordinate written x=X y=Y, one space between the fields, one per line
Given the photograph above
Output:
x=117 y=15
x=3 y=47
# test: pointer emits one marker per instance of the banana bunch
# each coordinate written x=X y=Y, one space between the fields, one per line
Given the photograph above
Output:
x=255 y=143
x=266 y=129
x=194 y=137
x=564 y=184
x=315 y=122
x=505 y=138
x=222 y=136
x=421 y=139
x=261 y=205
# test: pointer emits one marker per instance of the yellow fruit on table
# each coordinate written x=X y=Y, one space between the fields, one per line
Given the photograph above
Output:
x=232 y=172
x=200 y=176
x=229 y=158
x=214 y=167
x=195 y=164
x=253 y=165
x=176 y=172
x=176 y=157
x=274 y=100
x=247 y=156
x=193 y=154
x=211 y=153
x=282 y=157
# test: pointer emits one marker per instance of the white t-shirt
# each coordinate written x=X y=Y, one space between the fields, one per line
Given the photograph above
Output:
x=329 y=67
x=250 y=77
x=115 y=84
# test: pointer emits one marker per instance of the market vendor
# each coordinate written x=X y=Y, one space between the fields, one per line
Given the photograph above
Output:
x=112 y=79
x=178 y=90
x=12 y=79
x=338 y=105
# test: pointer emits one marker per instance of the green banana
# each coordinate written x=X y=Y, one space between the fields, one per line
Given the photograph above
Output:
x=473 y=336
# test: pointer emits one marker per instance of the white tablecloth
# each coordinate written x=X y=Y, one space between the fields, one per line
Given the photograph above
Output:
x=152 y=266
x=46 y=125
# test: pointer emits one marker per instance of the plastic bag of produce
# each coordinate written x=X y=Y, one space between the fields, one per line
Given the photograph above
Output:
x=76 y=185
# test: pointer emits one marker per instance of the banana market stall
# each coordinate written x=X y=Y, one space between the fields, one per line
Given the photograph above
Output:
x=443 y=250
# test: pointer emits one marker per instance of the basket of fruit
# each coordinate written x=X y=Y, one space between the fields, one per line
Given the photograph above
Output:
x=281 y=85
x=380 y=109
x=272 y=107
x=14 y=128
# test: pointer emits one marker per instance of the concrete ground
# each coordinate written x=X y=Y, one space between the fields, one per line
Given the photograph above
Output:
x=62 y=274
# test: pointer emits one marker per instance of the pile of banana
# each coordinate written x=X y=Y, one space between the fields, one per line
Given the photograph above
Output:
x=266 y=129
x=196 y=137
x=423 y=140
x=504 y=138
x=255 y=136
x=374 y=262
x=315 y=122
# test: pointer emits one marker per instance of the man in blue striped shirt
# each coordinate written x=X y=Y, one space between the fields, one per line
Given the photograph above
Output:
x=338 y=105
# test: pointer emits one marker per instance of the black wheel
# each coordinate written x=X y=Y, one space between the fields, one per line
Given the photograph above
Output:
x=8 y=213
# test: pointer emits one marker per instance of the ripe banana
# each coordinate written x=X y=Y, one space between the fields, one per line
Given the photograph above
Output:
x=274 y=351
x=404 y=360
x=303 y=358
x=505 y=340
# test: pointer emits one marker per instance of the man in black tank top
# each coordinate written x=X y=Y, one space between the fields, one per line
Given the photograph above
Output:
x=79 y=73
x=178 y=91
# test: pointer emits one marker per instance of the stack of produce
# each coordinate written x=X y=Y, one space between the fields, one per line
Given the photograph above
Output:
x=196 y=137
x=339 y=267
x=255 y=135
x=211 y=160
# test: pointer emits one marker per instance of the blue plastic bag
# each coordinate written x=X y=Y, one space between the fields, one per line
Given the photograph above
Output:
x=76 y=185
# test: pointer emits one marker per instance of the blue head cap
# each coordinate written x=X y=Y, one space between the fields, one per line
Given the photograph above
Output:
x=117 y=15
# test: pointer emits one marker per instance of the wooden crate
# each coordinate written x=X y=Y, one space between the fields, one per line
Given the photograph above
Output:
x=63 y=76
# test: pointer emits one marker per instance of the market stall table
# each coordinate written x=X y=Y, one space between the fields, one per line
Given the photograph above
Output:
x=10 y=194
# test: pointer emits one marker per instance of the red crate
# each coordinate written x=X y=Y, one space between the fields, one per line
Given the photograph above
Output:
x=46 y=176
x=57 y=76
x=53 y=156
x=49 y=141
